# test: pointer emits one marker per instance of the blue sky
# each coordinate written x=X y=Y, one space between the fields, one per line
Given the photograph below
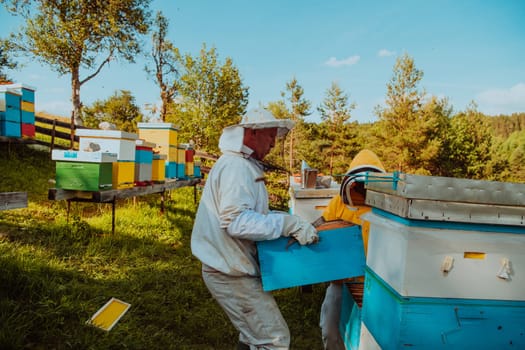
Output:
x=468 y=51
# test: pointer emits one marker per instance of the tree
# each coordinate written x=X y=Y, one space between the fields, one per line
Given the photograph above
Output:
x=119 y=109
x=72 y=35
x=210 y=96
x=470 y=143
x=164 y=55
x=411 y=126
x=297 y=109
x=335 y=113
x=6 y=61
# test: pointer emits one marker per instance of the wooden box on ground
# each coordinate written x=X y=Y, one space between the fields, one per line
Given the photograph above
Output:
x=339 y=254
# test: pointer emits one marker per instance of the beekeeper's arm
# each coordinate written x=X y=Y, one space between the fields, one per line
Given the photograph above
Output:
x=238 y=216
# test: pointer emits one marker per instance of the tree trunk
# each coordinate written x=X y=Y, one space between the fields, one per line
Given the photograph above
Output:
x=75 y=98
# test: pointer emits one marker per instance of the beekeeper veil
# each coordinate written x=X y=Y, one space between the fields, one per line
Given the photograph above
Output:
x=258 y=118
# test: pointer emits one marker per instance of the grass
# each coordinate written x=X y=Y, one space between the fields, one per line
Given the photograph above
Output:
x=57 y=270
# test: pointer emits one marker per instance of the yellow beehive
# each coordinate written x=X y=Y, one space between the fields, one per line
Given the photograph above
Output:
x=159 y=133
x=123 y=175
x=158 y=170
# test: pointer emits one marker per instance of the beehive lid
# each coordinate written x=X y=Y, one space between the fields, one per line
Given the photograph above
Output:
x=113 y=134
x=448 y=189
x=157 y=126
x=144 y=143
x=6 y=88
x=19 y=86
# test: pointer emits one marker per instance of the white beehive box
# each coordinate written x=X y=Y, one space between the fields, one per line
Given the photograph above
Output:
x=447 y=260
x=113 y=141
x=309 y=203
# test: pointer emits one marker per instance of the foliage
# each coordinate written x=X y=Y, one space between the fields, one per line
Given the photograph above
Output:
x=470 y=144
x=511 y=153
x=58 y=271
x=164 y=56
x=72 y=35
x=119 y=109
x=295 y=107
x=335 y=114
x=410 y=130
x=210 y=97
x=6 y=62
x=504 y=125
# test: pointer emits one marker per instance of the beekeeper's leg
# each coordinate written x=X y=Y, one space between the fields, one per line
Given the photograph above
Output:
x=251 y=310
x=330 y=314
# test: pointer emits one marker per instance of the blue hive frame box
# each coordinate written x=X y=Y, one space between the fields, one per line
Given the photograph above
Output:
x=339 y=254
x=396 y=322
x=350 y=317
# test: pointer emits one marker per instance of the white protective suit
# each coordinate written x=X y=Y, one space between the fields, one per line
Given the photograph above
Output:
x=233 y=213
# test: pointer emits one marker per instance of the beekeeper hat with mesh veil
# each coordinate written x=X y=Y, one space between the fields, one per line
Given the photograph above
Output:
x=260 y=118
x=352 y=189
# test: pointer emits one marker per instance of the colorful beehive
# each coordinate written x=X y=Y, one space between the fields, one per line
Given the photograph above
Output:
x=10 y=122
x=27 y=108
x=158 y=170
x=84 y=171
x=115 y=141
x=143 y=161
x=164 y=135
x=339 y=254
x=443 y=249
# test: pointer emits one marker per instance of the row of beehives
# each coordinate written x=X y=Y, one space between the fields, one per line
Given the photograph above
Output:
x=443 y=267
x=17 y=111
x=113 y=159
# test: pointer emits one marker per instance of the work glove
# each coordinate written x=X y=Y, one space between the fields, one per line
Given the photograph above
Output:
x=294 y=226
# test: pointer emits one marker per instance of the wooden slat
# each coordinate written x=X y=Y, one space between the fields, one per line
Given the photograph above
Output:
x=111 y=195
x=13 y=200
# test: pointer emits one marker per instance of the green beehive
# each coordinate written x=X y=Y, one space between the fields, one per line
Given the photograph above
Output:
x=84 y=176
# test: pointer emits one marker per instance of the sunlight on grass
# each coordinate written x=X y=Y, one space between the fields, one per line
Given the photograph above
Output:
x=57 y=269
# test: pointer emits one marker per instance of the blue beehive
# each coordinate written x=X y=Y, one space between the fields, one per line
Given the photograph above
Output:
x=339 y=254
x=10 y=100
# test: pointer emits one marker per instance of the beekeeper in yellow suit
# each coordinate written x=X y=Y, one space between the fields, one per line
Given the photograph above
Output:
x=349 y=205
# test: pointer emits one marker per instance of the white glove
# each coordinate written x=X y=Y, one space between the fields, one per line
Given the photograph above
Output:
x=299 y=229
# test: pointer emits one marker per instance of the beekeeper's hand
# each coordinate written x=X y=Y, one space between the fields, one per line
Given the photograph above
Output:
x=299 y=229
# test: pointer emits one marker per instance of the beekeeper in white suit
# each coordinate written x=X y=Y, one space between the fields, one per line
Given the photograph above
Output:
x=233 y=214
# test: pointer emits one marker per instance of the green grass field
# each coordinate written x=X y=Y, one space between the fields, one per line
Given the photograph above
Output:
x=57 y=270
